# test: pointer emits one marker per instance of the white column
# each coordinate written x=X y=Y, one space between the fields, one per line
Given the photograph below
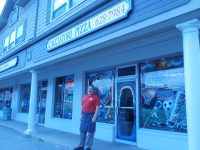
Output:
x=33 y=103
x=191 y=51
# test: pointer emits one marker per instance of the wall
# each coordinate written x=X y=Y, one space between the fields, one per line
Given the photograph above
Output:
x=160 y=140
x=27 y=14
x=141 y=10
x=153 y=47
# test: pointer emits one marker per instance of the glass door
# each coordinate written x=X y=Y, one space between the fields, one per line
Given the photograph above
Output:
x=42 y=102
x=126 y=120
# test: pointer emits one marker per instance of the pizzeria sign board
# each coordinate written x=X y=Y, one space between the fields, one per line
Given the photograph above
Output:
x=103 y=19
x=11 y=63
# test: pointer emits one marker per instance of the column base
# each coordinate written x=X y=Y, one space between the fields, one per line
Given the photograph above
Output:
x=28 y=132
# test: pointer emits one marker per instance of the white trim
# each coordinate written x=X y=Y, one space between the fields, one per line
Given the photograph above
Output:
x=67 y=3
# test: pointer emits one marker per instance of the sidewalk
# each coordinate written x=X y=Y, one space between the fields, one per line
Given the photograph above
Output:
x=63 y=140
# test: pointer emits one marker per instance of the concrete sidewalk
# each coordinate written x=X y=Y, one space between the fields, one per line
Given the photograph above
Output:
x=63 y=140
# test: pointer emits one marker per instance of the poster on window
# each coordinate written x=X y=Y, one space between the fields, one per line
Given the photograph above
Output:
x=162 y=100
x=103 y=82
x=1 y=100
x=68 y=97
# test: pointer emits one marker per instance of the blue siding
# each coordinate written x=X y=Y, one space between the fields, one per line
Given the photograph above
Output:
x=25 y=14
x=142 y=9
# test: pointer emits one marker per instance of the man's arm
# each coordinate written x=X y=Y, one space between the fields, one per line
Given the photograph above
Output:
x=95 y=114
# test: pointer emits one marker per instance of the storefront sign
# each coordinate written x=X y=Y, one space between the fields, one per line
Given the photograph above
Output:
x=9 y=64
x=105 y=18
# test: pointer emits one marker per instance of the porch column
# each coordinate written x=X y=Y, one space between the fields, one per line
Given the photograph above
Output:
x=191 y=51
x=33 y=103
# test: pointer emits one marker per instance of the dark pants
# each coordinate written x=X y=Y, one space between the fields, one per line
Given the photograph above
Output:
x=87 y=130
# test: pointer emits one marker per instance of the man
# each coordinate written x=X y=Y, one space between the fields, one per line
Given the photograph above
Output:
x=90 y=109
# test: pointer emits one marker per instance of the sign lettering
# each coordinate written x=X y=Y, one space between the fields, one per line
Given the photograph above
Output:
x=105 y=18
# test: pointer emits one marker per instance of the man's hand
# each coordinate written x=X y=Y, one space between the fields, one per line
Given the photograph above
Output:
x=93 y=119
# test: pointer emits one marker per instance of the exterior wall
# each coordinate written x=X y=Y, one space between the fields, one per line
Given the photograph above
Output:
x=143 y=36
x=130 y=53
x=141 y=11
x=25 y=14
x=166 y=140
x=44 y=22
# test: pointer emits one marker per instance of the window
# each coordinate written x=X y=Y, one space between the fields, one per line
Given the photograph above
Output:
x=103 y=82
x=12 y=39
x=5 y=98
x=6 y=43
x=162 y=100
x=16 y=37
x=20 y=34
x=64 y=97
x=24 y=98
x=59 y=7
x=126 y=71
x=75 y=2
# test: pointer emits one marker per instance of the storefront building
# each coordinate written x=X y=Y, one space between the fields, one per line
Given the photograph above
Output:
x=141 y=56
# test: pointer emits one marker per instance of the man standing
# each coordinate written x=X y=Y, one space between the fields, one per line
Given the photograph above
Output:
x=90 y=109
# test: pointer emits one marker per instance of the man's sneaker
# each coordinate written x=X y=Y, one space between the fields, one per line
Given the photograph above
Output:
x=79 y=148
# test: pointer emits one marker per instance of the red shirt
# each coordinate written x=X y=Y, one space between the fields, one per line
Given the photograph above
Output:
x=89 y=103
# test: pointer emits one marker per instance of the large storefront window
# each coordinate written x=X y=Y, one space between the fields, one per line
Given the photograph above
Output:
x=64 y=97
x=24 y=98
x=103 y=81
x=163 y=95
x=5 y=98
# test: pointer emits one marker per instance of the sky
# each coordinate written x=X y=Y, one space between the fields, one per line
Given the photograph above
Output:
x=2 y=4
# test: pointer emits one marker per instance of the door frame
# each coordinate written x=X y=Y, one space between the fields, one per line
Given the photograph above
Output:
x=128 y=78
x=39 y=100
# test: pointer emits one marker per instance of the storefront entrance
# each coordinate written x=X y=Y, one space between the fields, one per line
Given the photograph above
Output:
x=42 y=101
x=126 y=110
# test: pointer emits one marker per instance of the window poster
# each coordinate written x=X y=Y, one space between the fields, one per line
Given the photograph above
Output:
x=64 y=97
x=1 y=99
x=24 y=98
x=162 y=100
x=103 y=82
x=68 y=97
x=5 y=98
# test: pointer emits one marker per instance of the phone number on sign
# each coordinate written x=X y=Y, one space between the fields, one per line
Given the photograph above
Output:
x=110 y=14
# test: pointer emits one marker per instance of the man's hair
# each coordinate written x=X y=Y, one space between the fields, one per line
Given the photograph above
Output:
x=91 y=86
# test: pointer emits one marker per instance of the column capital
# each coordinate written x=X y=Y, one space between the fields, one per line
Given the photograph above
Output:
x=189 y=26
x=33 y=71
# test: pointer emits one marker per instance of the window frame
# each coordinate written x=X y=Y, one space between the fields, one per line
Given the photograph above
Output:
x=68 y=8
x=17 y=40
x=13 y=42
x=20 y=98
x=5 y=48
